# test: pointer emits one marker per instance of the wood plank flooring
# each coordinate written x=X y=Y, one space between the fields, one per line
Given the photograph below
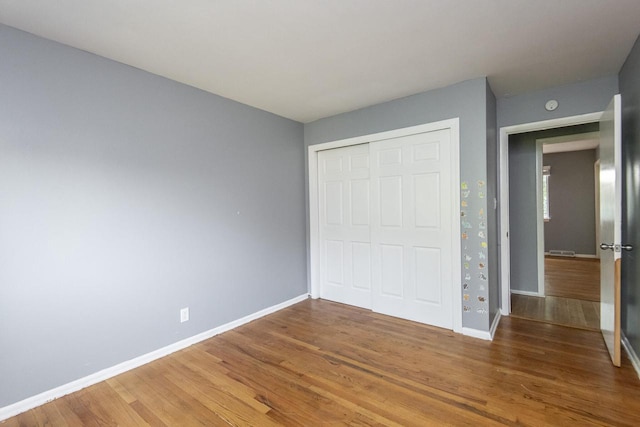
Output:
x=322 y=363
x=570 y=312
x=572 y=288
x=577 y=278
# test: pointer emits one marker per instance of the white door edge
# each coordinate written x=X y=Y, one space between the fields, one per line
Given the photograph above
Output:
x=503 y=179
x=539 y=218
x=617 y=99
x=314 y=223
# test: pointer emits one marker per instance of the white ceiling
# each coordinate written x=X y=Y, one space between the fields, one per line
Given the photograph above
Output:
x=585 y=144
x=573 y=142
x=308 y=59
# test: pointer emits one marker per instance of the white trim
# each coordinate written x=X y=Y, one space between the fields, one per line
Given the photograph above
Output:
x=55 y=393
x=635 y=360
x=596 y=175
x=494 y=324
x=456 y=245
x=484 y=335
x=314 y=239
x=539 y=218
x=617 y=162
x=503 y=178
x=476 y=333
x=573 y=256
x=527 y=293
x=314 y=226
x=505 y=257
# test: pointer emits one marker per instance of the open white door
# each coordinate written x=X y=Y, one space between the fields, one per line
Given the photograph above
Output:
x=610 y=226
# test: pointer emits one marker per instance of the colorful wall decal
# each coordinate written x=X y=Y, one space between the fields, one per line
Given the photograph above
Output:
x=473 y=209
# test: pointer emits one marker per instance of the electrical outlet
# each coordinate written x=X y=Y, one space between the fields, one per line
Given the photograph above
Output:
x=184 y=314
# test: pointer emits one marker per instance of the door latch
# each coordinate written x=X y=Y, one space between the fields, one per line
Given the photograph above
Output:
x=615 y=248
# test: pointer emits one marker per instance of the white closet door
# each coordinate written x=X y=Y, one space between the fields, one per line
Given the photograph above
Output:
x=345 y=241
x=411 y=226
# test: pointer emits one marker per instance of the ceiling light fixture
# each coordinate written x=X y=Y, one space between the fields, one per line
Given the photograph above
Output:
x=551 y=105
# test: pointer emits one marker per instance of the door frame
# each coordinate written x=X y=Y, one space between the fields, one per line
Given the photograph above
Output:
x=503 y=179
x=596 y=174
x=314 y=224
x=539 y=217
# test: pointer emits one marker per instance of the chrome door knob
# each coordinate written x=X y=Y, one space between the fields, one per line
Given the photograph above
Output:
x=605 y=246
x=626 y=247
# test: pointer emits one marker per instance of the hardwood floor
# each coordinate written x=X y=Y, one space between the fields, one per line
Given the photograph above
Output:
x=322 y=363
x=572 y=288
x=570 y=312
x=576 y=278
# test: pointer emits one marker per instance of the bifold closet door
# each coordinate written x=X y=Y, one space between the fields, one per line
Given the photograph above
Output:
x=345 y=238
x=411 y=226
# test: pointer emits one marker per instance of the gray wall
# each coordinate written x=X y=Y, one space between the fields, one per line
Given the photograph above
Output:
x=523 y=225
x=125 y=196
x=466 y=100
x=571 y=202
x=630 y=91
x=522 y=213
x=575 y=99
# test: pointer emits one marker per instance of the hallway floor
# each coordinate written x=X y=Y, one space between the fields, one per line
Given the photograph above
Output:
x=572 y=288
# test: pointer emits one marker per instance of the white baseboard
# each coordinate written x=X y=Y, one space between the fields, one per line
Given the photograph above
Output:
x=483 y=335
x=476 y=333
x=635 y=361
x=573 y=256
x=47 y=396
x=527 y=293
x=494 y=324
